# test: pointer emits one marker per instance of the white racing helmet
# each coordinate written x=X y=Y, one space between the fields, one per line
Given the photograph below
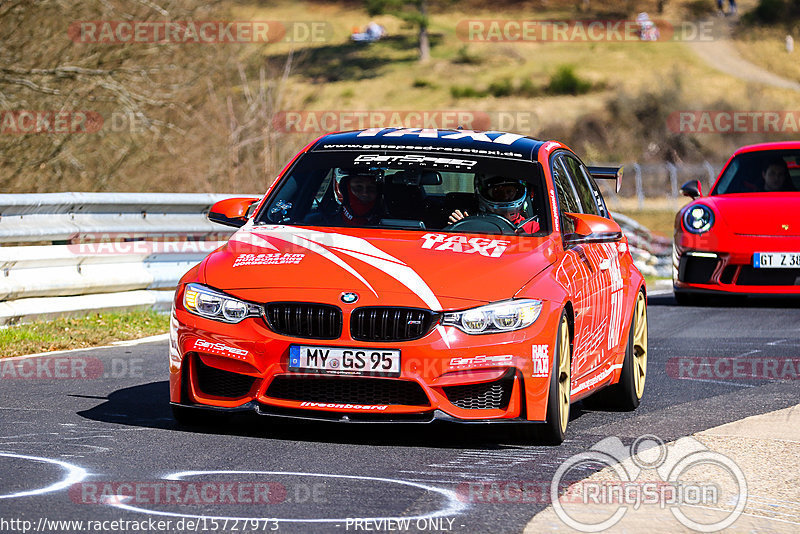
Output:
x=500 y=195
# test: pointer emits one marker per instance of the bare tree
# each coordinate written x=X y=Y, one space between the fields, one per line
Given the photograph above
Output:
x=175 y=115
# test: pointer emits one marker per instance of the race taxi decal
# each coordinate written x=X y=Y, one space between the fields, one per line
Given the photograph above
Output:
x=220 y=349
x=491 y=248
x=268 y=259
x=478 y=361
x=540 y=356
x=500 y=138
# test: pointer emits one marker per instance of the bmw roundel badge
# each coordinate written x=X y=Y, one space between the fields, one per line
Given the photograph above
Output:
x=349 y=298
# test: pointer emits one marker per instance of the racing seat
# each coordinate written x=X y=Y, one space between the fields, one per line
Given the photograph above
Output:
x=403 y=200
x=460 y=201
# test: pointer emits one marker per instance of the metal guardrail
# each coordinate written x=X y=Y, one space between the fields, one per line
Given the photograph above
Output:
x=72 y=216
x=80 y=252
x=652 y=254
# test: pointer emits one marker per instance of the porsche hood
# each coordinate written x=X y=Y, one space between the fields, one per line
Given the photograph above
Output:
x=764 y=214
x=432 y=270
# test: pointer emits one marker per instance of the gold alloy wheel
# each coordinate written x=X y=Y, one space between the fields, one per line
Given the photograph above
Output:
x=564 y=374
x=640 y=345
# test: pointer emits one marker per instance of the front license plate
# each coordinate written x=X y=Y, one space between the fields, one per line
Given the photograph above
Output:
x=776 y=260
x=344 y=361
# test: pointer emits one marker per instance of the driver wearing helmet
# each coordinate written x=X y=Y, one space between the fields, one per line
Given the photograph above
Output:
x=358 y=192
x=502 y=196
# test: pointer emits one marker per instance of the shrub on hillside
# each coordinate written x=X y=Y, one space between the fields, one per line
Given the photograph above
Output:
x=774 y=12
x=566 y=82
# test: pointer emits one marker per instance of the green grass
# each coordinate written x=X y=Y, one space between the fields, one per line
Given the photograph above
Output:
x=493 y=77
x=80 y=332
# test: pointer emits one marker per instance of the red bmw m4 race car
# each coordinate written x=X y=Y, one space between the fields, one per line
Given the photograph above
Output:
x=413 y=275
x=744 y=238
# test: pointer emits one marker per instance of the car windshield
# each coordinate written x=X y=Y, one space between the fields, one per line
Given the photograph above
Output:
x=761 y=172
x=408 y=190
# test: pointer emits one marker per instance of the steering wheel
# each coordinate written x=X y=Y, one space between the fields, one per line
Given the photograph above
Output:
x=485 y=223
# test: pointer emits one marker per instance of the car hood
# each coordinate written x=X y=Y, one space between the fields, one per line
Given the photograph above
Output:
x=767 y=214
x=409 y=268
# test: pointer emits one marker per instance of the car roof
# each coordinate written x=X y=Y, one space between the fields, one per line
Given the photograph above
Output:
x=482 y=142
x=784 y=145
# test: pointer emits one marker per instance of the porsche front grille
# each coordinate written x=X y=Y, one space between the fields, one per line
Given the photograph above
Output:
x=218 y=383
x=390 y=323
x=304 y=319
x=366 y=391
x=485 y=396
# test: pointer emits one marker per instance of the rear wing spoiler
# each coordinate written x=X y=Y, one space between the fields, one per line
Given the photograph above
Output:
x=607 y=173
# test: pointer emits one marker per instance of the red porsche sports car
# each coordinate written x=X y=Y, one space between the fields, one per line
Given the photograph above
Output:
x=414 y=275
x=744 y=238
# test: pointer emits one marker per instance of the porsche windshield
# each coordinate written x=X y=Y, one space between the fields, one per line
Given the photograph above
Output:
x=410 y=190
x=764 y=171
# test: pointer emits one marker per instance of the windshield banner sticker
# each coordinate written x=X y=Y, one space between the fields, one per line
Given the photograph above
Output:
x=415 y=159
x=491 y=248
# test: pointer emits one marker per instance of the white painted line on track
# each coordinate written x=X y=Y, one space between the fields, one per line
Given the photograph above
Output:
x=74 y=475
x=723 y=382
x=454 y=504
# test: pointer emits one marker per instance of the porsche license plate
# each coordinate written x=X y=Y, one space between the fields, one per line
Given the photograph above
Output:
x=776 y=260
x=344 y=361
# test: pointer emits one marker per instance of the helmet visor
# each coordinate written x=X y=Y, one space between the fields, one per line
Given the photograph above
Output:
x=502 y=190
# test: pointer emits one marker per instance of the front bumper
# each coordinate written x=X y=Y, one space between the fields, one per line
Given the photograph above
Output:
x=708 y=264
x=345 y=417
x=445 y=375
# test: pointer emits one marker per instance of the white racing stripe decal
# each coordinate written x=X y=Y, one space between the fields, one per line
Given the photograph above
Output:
x=596 y=379
x=403 y=274
x=251 y=238
x=357 y=248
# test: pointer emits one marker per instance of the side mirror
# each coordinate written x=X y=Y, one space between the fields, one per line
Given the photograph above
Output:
x=231 y=211
x=592 y=229
x=692 y=189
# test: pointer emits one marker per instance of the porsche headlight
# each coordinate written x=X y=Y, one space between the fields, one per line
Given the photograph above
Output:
x=211 y=304
x=698 y=219
x=498 y=317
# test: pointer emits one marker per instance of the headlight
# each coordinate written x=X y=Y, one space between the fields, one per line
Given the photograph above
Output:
x=211 y=304
x=698 y=219
x=499 y=317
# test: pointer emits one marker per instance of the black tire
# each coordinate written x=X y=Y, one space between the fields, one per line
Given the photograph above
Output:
x=626 y=394
x=553 y=430
x=685 y=299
